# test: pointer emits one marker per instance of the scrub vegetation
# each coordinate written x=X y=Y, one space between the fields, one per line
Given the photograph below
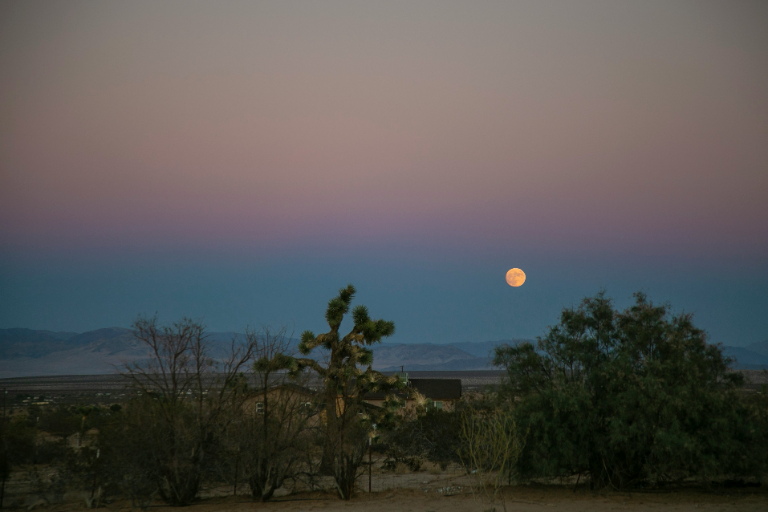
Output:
x=608 y=399
x=632 y=398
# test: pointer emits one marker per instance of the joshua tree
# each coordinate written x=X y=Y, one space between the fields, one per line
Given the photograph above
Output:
x=345 y=384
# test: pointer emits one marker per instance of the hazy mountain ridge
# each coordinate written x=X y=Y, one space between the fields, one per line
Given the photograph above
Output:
x=760 y=347
x=28 y=352
x=32 y=343
x=747 y=358
x=485 y=348
x=425 y=356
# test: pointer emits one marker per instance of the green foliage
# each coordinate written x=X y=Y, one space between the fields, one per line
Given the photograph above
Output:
x=61 y=421
x=17 y=443
x=433 y=435
x=134 y=449
x=87 y=469
x=345 y=384
x=629 y=397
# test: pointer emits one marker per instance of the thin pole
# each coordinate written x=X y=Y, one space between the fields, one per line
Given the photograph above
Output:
x=370 y=464
x=237 y=461
x=5 y=455
x=37 y=428
x=95 y=470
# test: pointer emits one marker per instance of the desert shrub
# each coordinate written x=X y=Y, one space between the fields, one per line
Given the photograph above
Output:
x=59 y=421
x=188 y=399
x=630 y=397
x=17 y=444
x=122 y=461
x=51 y=452
x=491 y=444
x=434 y=435
x=272 y=442
x=142 y=456
x=753 y=420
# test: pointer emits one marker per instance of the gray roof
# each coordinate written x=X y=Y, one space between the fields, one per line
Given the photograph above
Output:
x=434 y=389
x=438 y=389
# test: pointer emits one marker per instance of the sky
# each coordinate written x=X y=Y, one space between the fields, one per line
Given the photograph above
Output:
x=239 y=162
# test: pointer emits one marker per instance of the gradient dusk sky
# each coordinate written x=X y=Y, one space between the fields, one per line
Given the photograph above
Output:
x=239 y=162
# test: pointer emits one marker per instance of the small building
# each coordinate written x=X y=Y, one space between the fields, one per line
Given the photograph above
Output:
x=287 y=395
x=441 y=394
x=78 y=440
x=437 y=393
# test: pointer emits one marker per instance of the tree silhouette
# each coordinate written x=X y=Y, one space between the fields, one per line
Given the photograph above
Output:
x=345 y=384
x=188 y=399
x=630 y=398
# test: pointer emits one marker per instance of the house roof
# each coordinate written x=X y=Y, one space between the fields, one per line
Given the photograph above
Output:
x=438 y=389
x=287 y=385
x=434 y=389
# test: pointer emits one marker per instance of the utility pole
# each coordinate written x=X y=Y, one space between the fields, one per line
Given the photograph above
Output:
x=37 y=429
x=95 y=471
x=370 y=459
x=5 y=454
x=370 y=463
x=237 y=463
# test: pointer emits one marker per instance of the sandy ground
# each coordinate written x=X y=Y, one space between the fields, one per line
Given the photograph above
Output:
x=434 y=490
x=424 y=492
x=516 y=499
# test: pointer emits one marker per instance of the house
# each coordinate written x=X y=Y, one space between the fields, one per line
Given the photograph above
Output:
x=287 y=395
x=439 y=394
x=436 y=393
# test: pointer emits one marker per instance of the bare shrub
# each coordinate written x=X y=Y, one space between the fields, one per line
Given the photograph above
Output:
x=491 y=445
x=189 y=398
x=274 y=430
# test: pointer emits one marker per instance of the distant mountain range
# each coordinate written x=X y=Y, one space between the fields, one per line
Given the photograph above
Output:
x=27 y=352
x=751 y=357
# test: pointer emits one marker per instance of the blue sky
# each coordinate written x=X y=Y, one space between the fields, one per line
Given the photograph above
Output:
x=239 y=162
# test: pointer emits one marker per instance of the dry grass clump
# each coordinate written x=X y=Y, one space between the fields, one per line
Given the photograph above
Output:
x=402 y=469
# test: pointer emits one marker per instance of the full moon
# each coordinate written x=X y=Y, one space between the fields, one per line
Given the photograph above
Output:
x=515 y=277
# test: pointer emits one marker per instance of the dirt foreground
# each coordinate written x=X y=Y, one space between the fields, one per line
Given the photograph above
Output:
x=538 y=498
x=431 y=489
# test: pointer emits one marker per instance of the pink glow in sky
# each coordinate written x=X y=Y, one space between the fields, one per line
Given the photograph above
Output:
x=614 y=122
x=417 y=148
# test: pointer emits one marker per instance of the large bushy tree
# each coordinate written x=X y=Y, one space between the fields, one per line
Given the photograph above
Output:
x=631 y=396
